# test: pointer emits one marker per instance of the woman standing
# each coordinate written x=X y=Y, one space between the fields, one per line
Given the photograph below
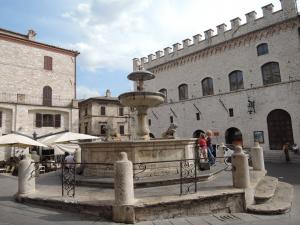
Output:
x=210 y=149
x=202 y=148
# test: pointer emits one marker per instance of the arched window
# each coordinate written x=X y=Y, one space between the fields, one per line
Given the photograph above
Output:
x=207 y=86
x=183 y=91
x=236 y=80
x=271 y=73
x=262 y=49
x=47 y=96
x=165 y=92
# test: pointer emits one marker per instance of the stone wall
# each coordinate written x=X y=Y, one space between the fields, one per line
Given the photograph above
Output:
x=22 y=71
x=137 y=151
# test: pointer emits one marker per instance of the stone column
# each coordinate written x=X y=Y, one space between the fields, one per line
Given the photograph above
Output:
x=26 y=176
x=123 y=210
x=240 y=169
x=257 y=157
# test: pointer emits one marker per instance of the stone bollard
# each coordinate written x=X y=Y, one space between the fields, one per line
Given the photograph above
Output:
x=240 y=169
x=257 y=157
x=123 y=210
x=221 y=151
x=26 y=176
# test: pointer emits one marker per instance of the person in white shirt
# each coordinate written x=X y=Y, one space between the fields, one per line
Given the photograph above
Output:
x=69 y=160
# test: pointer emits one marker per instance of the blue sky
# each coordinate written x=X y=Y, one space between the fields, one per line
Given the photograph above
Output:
x=110 y=33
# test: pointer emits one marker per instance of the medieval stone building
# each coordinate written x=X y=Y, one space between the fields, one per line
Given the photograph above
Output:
x=242 y=82
x=102 y=115
x=37 y=88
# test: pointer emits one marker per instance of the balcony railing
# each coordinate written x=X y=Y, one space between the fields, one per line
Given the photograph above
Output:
x=56 y=101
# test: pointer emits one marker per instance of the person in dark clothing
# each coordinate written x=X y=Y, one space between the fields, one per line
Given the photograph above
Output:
x=285 y=149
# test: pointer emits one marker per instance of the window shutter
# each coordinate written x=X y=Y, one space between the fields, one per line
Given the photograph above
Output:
x=0 y=119
x=47 y=63
x=57 y=122
x=38 y=120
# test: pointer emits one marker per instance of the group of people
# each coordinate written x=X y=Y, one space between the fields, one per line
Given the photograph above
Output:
x=206 y=150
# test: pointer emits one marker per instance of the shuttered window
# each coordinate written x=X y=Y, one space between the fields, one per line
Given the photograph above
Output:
x=47 y=96
x=38 y=120
x=57 y=120
x=47 y=63
x=47 y=120
x=0 y=119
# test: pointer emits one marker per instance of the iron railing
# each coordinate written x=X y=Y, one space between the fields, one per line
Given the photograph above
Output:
x=34 y=100
x=185 y=171
x=69 y=172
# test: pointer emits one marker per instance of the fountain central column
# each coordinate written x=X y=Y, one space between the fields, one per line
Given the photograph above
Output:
x=142 y=128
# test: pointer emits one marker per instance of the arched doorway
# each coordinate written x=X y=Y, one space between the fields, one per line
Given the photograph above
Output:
x=234 y=136
x=279 y=128
x=197 y=133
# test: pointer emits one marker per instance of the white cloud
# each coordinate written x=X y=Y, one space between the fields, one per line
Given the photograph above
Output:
x=85 y=92
x=115 y=31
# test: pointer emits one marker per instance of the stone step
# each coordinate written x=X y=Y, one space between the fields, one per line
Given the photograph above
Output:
x=265 y=189
x=278 y=156
x=280 y=203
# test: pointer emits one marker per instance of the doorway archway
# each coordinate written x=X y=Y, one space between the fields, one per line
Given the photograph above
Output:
x=279 y=128
x=197 y=133
x=234 y=136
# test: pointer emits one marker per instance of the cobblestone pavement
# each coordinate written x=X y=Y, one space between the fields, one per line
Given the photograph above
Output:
x=12 y=213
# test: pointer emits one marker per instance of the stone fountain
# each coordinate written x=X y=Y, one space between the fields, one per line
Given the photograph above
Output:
x=141 y=100
x=143 y=149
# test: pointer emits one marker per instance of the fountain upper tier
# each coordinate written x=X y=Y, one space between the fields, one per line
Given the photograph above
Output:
x=141 y=75
x=141 y=100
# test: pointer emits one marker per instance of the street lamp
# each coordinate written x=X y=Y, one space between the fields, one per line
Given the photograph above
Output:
x=251 y=106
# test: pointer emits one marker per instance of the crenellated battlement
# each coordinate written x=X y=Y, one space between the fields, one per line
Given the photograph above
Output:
x=188 y=46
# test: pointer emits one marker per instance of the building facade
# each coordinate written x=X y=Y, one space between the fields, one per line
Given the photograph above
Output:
x=242 y=83
x=98 y=114
x=37 y=88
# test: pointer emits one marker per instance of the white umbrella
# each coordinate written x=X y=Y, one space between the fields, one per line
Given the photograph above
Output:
x=17 y=140
x=66 y=137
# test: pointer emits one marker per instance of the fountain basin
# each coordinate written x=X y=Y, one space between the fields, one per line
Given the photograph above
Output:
x=141 y=99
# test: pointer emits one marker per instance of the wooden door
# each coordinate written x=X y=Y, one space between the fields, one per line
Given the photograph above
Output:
x=279 y=128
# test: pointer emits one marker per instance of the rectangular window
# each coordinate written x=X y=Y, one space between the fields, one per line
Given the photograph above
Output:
x=85 y=111
x=122 y=130
x=102 y=111
x=47 y=120
x=231 y=112
x=121 y=111
x=171 y=119
x=149 y=122
x=38 y=120
x=198 y=116
x=47 y=63
x=103 y=129
x=0 y=119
